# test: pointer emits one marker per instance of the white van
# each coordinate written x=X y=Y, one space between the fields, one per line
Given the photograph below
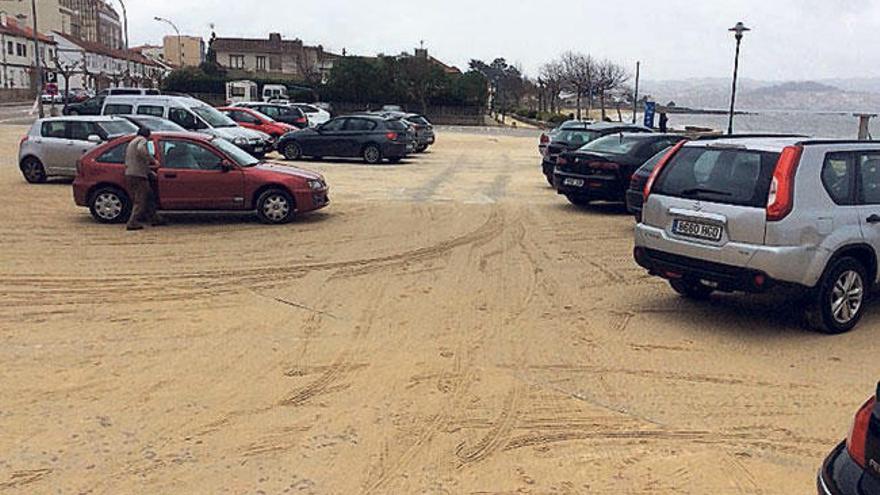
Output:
x=193 y=115
x=240 y=92
x=273 y=92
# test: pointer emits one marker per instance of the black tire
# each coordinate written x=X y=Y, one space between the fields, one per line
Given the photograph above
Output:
x=33 y=170
x=110 y=205
x=691 y=290
x=821 y=314
x=422 y=148
x=372 y=154
x=275 y=207
x=576 y=200
x=291 y=151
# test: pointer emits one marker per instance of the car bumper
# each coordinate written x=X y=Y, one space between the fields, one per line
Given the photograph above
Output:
x=260 y=148
x=716 y=275
x=840 y=475
x=547 y=166
x=309 y=200
x=591 y=186
x=80 y=193
x=783 y=264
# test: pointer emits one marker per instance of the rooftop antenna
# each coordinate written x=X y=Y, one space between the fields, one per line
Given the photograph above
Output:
x=422 y=44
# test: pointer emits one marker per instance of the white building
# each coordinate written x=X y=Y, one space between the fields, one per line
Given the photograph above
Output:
x=94 y=66
x=17 y=59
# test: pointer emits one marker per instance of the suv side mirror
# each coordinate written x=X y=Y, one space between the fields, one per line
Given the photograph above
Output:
x=226 y=166
x=94 y=138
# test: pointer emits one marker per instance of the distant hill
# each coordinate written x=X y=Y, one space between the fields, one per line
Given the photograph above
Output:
x=714 y=93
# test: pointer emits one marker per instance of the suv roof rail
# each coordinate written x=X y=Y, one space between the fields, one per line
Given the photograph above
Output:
x=713 y=137
x=808 y=142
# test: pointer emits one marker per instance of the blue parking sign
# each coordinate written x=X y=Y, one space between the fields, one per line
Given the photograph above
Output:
x=650 y=110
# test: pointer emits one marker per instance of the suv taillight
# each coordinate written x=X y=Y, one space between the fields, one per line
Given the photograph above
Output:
x=545 y=139
x=858 y=434
x=659 y=167
x=392 y=136
x=781 y=198
x=23 y=140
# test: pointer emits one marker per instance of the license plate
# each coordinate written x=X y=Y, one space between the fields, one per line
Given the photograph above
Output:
x=697 y=230
x=573 y=182
x=258 y=149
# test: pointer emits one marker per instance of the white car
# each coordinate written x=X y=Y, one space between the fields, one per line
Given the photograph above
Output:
x=316 y=116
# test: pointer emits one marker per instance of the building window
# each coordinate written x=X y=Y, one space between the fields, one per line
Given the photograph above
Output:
x=21 y=50
x=236 y=61
x=10 y=48
x=261 y=63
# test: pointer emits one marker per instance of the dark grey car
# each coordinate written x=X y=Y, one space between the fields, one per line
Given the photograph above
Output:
x=370 y=137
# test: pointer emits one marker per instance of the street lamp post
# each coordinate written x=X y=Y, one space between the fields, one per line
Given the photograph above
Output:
x=125 y=29
x=179 y=44
x=38 y=68
x=739 y=30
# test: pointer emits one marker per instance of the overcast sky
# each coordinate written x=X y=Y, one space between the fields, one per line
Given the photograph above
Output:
x=792 y=39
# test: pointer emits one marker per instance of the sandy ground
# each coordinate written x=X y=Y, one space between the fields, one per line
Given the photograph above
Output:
x=447 y=326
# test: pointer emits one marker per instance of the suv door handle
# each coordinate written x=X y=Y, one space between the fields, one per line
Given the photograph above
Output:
x=169 y=175
x=873 y=219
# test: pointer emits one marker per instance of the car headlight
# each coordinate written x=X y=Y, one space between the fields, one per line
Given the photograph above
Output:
x=240 y=140
x=315 y=185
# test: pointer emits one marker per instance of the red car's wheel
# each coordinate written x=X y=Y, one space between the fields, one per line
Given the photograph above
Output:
x=275 y=206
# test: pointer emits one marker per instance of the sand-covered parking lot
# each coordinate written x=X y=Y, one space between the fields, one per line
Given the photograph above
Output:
x=446 y=326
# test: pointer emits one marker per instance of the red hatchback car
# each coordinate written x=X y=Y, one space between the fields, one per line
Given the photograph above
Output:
x=252 y=119
x=198 y=172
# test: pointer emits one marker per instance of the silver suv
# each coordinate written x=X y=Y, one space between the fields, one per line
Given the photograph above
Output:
x=747 y=214
x=53 y=145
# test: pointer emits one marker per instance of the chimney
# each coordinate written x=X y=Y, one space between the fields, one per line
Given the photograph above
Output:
x=275 y=38
x=422 y=53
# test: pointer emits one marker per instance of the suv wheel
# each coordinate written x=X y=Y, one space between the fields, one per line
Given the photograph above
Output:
x=691 y=290
x=839 y=299
x=33 y=170
x=372 y=154
x=275 y=207
x=292 y=151
x=110 y=205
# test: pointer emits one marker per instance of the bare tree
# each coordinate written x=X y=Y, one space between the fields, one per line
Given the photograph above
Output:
x=580 y=75
x=609 y=77
x=553 y=77
x=66 y=69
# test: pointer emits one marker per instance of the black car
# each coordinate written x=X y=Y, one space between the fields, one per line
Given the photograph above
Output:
x=282 y=113
x=853 y=468
x=602 y=169
x=92 y=106
x=370 y=137
x=635 y=195
x=424 y=130
x=574 y=134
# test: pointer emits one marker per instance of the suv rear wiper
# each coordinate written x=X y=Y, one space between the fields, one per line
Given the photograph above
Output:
x=699 y=190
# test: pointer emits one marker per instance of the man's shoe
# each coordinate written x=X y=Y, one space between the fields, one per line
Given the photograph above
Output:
x=134 y=227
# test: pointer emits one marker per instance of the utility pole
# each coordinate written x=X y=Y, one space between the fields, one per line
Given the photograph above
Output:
x=636 y=95
x=38 y=68
x=739 y=29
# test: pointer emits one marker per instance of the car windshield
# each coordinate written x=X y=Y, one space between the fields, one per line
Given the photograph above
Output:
x=731 y=176
x=615 y=144
x=241 y=157
x=213 y=117
x=577 y=137
x=117 y=127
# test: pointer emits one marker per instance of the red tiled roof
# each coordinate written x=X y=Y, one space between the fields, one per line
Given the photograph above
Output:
x=100 y=49
x=13 y=29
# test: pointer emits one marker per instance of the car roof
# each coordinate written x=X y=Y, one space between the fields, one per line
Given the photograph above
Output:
x=602 y=126
x=83 y=118
x=774 y=144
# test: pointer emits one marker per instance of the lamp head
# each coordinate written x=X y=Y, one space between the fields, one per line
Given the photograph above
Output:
x=739 y=29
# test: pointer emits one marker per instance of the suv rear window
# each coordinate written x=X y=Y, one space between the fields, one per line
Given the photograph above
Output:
x=396 y=125
x=731 y=176
x=118 y=109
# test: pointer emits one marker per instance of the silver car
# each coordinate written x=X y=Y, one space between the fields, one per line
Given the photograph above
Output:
x=53 y=145
x=748 y=214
